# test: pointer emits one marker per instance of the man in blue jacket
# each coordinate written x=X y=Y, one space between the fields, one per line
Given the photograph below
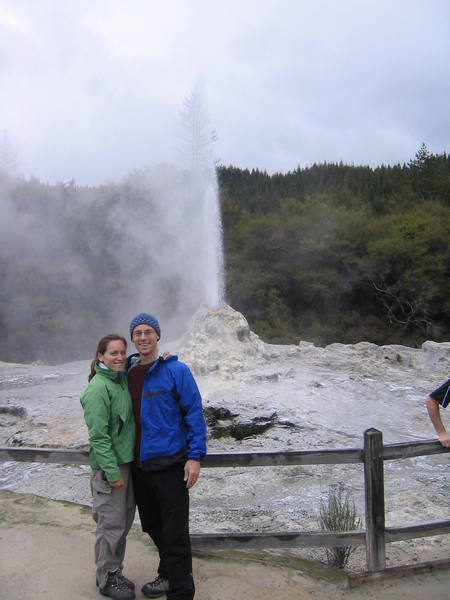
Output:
x=170 y=443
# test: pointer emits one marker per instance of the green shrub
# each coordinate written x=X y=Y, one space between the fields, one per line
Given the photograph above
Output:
x=338 y=513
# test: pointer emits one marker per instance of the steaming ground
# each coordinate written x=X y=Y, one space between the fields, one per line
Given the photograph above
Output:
x=307 y=397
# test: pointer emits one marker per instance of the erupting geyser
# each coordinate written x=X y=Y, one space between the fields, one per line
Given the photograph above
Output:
x=210 y=257
x=204 y=194
x=173 y=238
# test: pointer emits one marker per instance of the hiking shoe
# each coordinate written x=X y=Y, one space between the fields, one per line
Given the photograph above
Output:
x=116 y=589
x=155 y=589
x=127 y=582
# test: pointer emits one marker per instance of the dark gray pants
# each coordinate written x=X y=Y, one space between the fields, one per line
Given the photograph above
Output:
x=113 y=510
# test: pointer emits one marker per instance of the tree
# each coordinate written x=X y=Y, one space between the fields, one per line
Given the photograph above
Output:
x=197 y=138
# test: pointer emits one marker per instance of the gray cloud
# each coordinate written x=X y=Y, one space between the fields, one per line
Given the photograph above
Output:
x=90 y=90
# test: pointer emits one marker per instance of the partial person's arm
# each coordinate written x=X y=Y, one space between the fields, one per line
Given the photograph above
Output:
x=435 y=417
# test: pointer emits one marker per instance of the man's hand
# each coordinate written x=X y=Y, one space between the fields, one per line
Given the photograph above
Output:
x=191 y=472
x=118 y=484
x=444 y=438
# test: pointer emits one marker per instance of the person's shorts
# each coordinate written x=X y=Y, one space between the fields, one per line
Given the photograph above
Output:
x=442 y=394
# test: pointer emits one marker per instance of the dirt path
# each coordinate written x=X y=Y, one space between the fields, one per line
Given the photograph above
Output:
x=46 y=550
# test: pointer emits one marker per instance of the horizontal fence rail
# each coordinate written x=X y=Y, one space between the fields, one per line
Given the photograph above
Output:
x=44 y=455
x=371 y=456
x=280 y=539
x=214 y=459
x=413 y=449
x=399 y=534
x=241 y=459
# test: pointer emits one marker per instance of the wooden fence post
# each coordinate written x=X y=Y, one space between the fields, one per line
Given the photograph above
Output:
x=374 y=492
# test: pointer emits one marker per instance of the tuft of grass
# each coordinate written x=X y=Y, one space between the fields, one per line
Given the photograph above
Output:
x=338 y=513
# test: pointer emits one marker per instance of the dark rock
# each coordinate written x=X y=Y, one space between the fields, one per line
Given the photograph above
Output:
x=269 y=418
x=213 y=414
x=15 y=411
x=238 y=430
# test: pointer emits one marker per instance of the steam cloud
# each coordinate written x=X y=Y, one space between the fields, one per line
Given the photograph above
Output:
x=79 y=262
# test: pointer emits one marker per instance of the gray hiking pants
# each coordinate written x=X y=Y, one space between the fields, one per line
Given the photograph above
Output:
x=113 y=510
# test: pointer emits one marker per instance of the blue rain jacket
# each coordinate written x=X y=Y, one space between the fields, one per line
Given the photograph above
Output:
x=171 y=413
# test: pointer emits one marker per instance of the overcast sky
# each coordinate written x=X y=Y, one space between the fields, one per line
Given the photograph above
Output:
x=90 y=89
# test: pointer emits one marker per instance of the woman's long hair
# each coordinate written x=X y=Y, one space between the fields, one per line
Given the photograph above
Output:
x=101 y=349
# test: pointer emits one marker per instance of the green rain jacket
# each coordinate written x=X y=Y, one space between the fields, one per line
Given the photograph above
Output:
x=109 y=417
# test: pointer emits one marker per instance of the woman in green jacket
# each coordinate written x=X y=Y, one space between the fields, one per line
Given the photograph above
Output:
x=109 y=417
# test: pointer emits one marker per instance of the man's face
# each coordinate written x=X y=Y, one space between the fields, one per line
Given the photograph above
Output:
x=145 y=339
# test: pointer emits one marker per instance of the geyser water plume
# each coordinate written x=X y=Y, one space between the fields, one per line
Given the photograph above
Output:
x=210 y=255
x=176 y=229
x=174 y=243
x=214 y=280
x=197 y=150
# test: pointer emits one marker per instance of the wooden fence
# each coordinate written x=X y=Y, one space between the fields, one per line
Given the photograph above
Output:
x=372 y=456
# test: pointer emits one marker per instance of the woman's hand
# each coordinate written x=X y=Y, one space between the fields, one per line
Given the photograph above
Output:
x=118 y=484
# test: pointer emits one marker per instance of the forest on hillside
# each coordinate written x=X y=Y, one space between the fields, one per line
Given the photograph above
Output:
x=338 y=253
x=327 y=253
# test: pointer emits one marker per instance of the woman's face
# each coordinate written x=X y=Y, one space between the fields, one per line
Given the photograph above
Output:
x=115 y=356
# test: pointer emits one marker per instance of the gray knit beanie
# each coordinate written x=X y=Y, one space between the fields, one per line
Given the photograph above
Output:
x=145 y=319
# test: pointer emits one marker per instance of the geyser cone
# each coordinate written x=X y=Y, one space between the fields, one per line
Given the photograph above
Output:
x=219 y=339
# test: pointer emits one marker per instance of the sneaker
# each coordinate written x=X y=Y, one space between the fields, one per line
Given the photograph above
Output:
x=155 y=589
x=116 y=589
